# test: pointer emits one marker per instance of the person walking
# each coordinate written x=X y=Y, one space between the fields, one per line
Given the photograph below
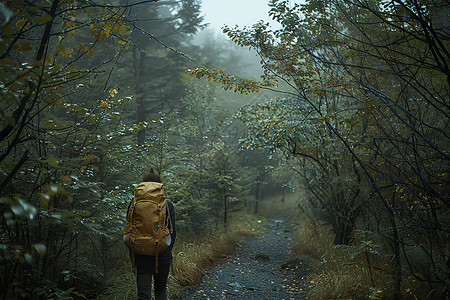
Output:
x=150 y=235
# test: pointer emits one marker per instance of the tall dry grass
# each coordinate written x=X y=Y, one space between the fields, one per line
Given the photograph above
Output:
x=190 y=258
x=312 y=238
x=343 y=273
x=351 y=272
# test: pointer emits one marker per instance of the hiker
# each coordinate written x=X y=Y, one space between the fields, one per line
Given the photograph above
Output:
x=150 y=235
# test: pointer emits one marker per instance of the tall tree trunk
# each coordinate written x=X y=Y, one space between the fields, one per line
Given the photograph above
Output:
x=139 y=65
x=258 y=181
x=225 y=210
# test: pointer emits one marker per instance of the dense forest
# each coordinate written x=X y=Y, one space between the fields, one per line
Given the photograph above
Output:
x=345 y=102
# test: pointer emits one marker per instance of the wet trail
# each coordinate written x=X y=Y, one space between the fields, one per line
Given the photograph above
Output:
x=253 y=271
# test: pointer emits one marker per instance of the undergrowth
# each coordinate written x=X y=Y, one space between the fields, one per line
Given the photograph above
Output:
x=351 y=272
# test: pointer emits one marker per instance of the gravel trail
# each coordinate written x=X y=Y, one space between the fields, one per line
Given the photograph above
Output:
x=253 y=271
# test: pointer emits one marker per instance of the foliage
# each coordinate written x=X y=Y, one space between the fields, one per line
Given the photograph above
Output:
x=153 y=73
x=228 y=82
x=66 y=157
x=365 y=121
x=211 y=178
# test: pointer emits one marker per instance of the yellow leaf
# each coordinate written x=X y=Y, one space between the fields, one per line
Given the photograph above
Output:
x=122 y=30
x=116 y=27
x=80 y=46
x=102 y=36
x=66 y=178
x=60 y=48
x=35 y=63
x=20 y=23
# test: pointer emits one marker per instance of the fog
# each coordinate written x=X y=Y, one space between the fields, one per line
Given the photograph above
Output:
x=237 y=12
x=232 y=13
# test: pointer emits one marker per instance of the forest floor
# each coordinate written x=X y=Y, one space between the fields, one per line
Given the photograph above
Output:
x=257 y=269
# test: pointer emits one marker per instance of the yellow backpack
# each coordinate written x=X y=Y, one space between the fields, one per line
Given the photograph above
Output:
x=147 y=226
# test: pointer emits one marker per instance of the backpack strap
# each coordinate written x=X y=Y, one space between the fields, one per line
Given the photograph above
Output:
x=169 y=217
x=133 y=204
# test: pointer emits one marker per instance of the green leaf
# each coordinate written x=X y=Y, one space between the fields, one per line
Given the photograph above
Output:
x=22 y=46
x=28 y=258
x=8 y=30
x=43 y=19
x=6 y=61
x=41 y=249
x=45 y=198
x=10 y=99
x=10 y=120
x=6 y=201
x=52 y=160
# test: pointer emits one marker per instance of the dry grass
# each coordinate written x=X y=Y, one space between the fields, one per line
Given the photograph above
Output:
x=312 y=238
x=191 y=258
x=351 y=272
x=342 y=275
x=342 y=272
x=248 y=226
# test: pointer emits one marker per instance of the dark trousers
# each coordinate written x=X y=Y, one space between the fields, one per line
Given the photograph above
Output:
x=144 y=274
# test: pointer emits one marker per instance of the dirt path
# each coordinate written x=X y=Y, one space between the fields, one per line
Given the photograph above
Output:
x=253 y=271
